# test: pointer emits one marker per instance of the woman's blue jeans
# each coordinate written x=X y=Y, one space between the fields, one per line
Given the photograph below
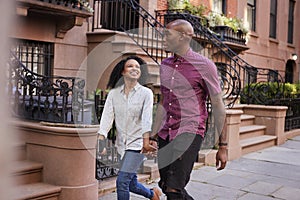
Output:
x=127 y=182
x=127 y=178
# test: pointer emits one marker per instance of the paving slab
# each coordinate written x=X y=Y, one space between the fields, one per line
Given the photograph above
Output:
x=199 y=190
x=292 y=144
x=252 y=196
x=285 y=171
x=277 y=154
x=297 y=138
x=262 y=188
x=287 y=193
x=231 y=181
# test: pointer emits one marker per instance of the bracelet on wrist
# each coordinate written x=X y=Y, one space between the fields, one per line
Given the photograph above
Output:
x=222 y=144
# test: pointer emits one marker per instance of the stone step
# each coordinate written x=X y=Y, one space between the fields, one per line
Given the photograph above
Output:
x=247 y=120
x=36 y=191
x=108 y=185
x=19 y=151
x=26 y=172
x=252 y=131
x=257 y=143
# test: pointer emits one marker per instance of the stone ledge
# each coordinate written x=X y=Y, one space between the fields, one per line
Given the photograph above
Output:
x=207 y=156
x=151 y=168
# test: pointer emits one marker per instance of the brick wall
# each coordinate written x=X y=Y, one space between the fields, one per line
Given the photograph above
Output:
x=162 y=4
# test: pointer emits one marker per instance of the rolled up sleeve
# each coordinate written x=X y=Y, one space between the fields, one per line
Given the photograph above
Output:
x=107 y=117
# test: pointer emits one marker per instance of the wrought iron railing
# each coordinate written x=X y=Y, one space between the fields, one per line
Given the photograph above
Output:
x=292 y=119
x=227 y=34
x=138 y=23
x=44 y=98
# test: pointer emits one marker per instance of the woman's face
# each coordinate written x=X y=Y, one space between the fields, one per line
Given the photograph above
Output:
x=132 y=70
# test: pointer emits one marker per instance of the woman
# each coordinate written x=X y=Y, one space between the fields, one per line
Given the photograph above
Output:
x=130 y=105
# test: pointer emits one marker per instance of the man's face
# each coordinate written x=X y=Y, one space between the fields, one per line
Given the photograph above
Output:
x=171 y=39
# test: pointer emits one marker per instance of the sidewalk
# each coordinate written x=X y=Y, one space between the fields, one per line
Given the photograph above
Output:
x=269 y=174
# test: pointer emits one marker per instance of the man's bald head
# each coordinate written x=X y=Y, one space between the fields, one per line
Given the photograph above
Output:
x=181 y=26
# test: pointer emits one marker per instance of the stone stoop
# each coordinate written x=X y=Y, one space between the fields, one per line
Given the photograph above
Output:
x=27 y=179
x=253 y=137
x=36 y=191
x=257 y=143
x=26 y=172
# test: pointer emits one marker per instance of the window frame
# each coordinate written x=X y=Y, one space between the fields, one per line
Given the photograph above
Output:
x=291 y=21
x=37 y=56
x=251 y=8
x=273 y=19
x=222 y=8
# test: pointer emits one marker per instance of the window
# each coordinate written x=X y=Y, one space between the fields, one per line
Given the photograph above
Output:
x=251 y=14
x=273 y=18
x=291 y=22
x=35 y=55
x=219 y=6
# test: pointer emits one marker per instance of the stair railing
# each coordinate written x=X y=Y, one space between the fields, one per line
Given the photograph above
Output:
x=149 y=38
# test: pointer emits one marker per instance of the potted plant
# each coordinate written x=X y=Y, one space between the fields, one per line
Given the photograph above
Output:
x=219 y=20
x=185 y=7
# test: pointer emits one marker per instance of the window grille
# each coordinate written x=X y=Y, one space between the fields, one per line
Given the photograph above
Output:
x=35 y=55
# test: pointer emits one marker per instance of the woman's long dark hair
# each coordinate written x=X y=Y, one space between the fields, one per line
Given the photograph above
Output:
x=116 y=78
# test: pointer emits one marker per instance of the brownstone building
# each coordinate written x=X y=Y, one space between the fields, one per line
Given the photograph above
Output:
x=69 y=38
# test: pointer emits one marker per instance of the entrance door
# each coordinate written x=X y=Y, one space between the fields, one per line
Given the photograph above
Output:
x=118 y=15
x=289 y=71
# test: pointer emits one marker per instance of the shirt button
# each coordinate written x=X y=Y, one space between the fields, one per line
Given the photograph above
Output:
x=172 y=77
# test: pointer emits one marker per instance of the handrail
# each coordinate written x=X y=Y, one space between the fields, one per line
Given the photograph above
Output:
x=147 y=44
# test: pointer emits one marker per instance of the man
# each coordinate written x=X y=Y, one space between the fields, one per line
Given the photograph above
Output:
x=187 y=80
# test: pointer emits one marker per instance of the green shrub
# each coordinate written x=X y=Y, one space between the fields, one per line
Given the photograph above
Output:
x=265 y=93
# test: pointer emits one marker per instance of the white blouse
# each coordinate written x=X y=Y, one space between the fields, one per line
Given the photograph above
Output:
x=132 y=116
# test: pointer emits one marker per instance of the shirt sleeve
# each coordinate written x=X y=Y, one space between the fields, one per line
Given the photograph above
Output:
x=107 y=116
x=147 y=112
x=212 y=79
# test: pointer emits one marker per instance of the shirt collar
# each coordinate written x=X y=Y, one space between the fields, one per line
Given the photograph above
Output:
x=182 y=57
x=135 y=88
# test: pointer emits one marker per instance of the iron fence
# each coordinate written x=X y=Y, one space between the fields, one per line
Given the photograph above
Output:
x=44 y=98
